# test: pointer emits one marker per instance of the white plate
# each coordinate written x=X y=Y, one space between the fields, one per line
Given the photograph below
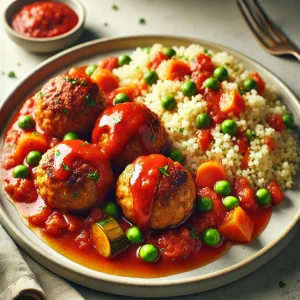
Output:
x=238 y=262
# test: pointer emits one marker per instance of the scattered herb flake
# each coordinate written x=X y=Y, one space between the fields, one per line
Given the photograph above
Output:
x=142 y=21
x=10 y=146
x=35 y=133
x=90 y=101
x=94 y=175
x=57 y=152
x=84 y=143
x=163 y=170
x=43 y=207
x=39 y=95
x=74 y=81
x=65 y=111
x=162 y=250
x=282 y=284
x=115 y=7
x=181 y=130
x=193 y=234
x=83 y=82
x=65 y=167
x=57 y=101
x=67 y=79
x=186 y=256
x=117 y=119
x=75 y=195
x=12 y=74
x=153 y=138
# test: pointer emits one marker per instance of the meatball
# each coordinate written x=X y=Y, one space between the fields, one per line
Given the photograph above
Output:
x=68 y=103
x=84 y=184
x=127 y=131
x=173 y=200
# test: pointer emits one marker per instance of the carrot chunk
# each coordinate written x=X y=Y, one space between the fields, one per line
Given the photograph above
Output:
x=237 y=226
x=105 y=79
x=232 y=102
x=177 y=70
x=209 y=173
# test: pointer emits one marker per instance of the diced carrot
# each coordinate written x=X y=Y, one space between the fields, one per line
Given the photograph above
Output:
x=260 y=83
x=30 y=141
x=232 y=102
x=237 y=226
x=209 y=173
x=277 y=194
x=177 y=70
x=77 y=70
x=204 y=139
x=109 y=63
x=105 y=79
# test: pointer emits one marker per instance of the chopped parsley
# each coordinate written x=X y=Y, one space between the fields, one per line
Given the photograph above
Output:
x=83 y=82
x=67 y=79
x=75 y=195
x=90 y=101
x=117 y=119
x=181 y=130
x=282 y=284
x=186 y=256
x=12 y=74
x=10 y=146
x=43 y=207
x=94 y=175
x=84 y=143
x=153 y=138
x=193 y=234
x=65 y=167
x=39 y=95
x=163 y=170
x=115 y=7
x=57 y=100
x=57 y=152
x=65 y=111
x=142 y=21
x=74 y=81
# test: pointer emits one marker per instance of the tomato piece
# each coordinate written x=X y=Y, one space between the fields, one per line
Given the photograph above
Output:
x=109 y=63
x=21 y=190
x=77 y=70
x=277 y=194
x=56 y=224
x=212 y=99
x=260 y=83
x=95 y=215
x=105 y=79
x=245 y=193
x=83 y=239
x=41 y=216
x=276 y=122
x=243 y=144
x=177 y=70
x=245 y=159
x=202 y=62
x=177 y=244
x=205 y=139
x=156 y=59
x=199 y=79
x=270 y=142
x=232 y=102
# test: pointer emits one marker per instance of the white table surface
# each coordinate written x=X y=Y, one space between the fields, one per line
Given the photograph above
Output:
x=218 y=21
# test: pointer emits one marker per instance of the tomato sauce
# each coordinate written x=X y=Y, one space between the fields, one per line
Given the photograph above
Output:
x=180 y=248
x=44 y=19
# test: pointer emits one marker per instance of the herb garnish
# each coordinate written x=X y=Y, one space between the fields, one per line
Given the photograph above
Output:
x=186 y=256
x=35 y=133
x=142 y=21
x=57 y=101
x=12 y=74
x=281 y=284
x=153 y=138
x=163 y=170
x=94 y=175
x=65 y=166
x=115 y=7
x=181 y=130
x=57 y=152
x=74 y=81
x=65 y=111
x=84 y=143
x=90 y=101
x=75 y=195
x=117 y=120
x=39 y=94
x=83 y=82
x=43 y=207
x=193 y=234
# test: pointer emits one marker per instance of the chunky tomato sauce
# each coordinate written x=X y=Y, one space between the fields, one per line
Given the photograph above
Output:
x=44 y=19
x=181 y=248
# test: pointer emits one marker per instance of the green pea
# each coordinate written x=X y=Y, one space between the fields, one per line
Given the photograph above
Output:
x=223 y=188
x=169 y=52
x=204 y=204
x=111 y=209
x=71 y=136
x=121 y=98
x=90 y=69
x=149 y=253
x=124 y=60
x=150 y=77
x=221 y=73
x=229 y=127
x=168 y=103
x=250 y=135
x=288 y=121
x=189 y=88
x=211 y=83
x=211 y=237
x=134 y=235
x=176 y=155
x=203 y=120
x=33 y=158
x=231 y=202
x=147 y=50
x=21 y=171
x=263 y=197
x=250 y=84
x=26 y=122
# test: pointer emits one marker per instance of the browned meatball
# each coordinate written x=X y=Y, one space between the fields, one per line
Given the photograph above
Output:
x=173 y=201
x=128 y=130
x=68 y=103
x=85 y=186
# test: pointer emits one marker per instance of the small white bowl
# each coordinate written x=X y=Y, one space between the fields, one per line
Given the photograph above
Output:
x=44 y=45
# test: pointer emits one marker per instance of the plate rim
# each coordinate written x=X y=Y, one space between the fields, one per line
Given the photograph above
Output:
x=30 y=246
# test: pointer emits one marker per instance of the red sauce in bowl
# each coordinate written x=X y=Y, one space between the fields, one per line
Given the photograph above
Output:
x=44 y=19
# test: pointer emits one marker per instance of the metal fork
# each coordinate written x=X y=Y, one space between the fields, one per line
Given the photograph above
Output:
x=266 y=32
